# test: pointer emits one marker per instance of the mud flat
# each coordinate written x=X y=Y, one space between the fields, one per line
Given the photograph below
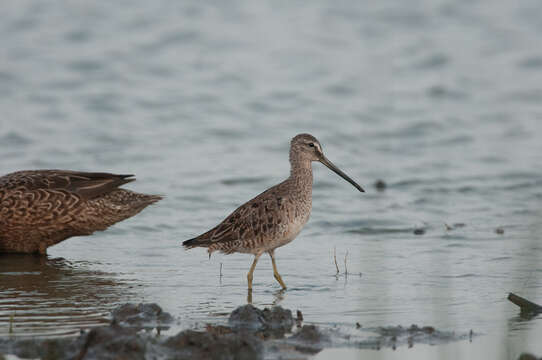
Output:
x=136 y=331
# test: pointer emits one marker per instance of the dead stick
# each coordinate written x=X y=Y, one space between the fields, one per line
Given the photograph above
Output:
x=345 y=267
x=335 y=259
x=524 y=304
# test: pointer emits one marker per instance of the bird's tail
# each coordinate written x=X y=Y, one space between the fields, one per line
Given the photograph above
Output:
x=195 y=242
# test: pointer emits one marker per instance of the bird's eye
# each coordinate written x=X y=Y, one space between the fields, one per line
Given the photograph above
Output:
x=311 y=144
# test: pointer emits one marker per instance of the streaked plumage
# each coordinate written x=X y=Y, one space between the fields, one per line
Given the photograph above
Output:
x=276 y=216
x=40 y=208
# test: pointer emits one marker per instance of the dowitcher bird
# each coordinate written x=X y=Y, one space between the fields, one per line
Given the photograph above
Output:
x=40 y=208
x=276 y=216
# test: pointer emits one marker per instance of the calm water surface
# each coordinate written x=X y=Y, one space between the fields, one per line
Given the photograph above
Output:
x=441 y=99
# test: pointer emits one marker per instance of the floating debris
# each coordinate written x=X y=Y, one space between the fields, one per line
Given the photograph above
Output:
x=499 y=231
x=419 y=231
x=393 y=336
x=454 y=226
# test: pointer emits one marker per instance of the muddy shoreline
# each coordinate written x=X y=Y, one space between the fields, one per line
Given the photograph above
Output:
x=136 y=332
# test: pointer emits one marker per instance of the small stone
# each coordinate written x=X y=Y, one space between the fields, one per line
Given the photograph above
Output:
x=380 y=185
x=419 y=231
x=358 y=325
x=499 y=231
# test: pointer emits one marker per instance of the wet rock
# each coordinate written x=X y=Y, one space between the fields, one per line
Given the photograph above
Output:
x=122 y=340
x=111 y=343
x=45 y=349
x=266 y=323
x=218 y=329
x=310 y=334
x=499 y=231
x=141 y=316
x=380 y=185
x=247 y=317
x=308 y=340
x=193 y=345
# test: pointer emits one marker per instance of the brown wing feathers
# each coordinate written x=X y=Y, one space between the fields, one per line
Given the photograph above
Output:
x=91 y=185
x=88 y=185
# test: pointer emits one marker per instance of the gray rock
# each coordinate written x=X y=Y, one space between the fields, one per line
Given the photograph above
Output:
x=112 y=343
x=45 y=349
x=309 y=339
x=141 y=316
x=266 y=323
x=194 y=345
x=310 y=334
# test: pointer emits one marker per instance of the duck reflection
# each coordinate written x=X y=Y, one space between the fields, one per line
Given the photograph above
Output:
x=52 y=296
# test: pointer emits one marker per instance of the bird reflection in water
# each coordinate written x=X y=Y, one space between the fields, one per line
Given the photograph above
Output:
x=43 y=296
x=278 y=296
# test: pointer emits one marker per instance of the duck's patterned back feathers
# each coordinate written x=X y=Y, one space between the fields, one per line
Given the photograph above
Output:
x=43 y=207
x=86 y=184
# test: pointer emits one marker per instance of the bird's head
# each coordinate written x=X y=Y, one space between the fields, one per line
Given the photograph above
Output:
x=306 y=147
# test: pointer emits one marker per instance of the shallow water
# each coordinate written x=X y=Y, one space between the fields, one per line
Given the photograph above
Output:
x=441 y=99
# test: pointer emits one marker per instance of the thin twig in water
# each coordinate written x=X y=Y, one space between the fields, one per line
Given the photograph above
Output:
x=345 y=267
x=11 y=317
x=335 y=259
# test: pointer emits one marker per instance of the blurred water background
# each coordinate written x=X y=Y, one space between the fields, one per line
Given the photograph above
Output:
x=442 y=99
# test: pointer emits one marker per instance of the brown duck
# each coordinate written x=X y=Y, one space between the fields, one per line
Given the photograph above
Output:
x=40 y=208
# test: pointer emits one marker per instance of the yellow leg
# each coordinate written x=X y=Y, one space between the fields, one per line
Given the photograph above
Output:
x=249 y=296
x=249 y=275
x=275 y=271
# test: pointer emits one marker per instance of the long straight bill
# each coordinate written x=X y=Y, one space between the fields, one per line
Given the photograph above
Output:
x=335 y=169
